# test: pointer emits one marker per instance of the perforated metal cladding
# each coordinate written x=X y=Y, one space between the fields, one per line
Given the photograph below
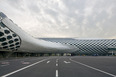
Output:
x=8 y=39
x=87 y=46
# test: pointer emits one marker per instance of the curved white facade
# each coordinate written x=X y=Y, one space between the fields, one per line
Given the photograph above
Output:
x=87 y=46
x=24 y=42
x=13 y=38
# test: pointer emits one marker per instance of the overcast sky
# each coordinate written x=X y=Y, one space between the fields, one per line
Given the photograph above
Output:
x=63 y=18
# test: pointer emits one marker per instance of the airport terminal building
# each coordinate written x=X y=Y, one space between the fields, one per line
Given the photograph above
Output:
x=88 y=46
x=14 y=39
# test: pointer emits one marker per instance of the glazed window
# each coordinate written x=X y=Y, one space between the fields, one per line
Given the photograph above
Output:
x=5 y=43
x=9 y=37
x=6 y=31
x=15 y=39
x=17 y=43
x=17 y=46
x=14 y=35
x=12 y=45
x=2 y=25
x=2 y=15
x=11 y=41
x=1 y=33
x=5 y=47
x=2 y=39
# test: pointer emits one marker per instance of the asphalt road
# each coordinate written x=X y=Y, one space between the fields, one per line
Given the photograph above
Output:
x=79 y=66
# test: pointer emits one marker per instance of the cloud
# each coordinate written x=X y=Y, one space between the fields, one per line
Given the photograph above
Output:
x=63 y=18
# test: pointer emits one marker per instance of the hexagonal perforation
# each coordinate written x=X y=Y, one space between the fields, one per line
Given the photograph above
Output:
x=8 y=39
x=87 y=46
x=1 y=34
x=7 y=31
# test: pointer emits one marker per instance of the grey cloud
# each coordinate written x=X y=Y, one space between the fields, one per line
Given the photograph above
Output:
x=34 y=8
x=64 y=18
x=16 y=4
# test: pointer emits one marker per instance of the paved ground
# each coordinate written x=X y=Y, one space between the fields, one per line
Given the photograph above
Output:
x=79 y=66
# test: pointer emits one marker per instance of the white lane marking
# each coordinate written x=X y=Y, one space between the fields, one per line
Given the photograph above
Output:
x=56 y=73
x=4 y=65
x=48 y=61
x=24 y=62
x=23 y=68
x=93 y=68
x=56 y=60
x=66 y=62
x=56 y=64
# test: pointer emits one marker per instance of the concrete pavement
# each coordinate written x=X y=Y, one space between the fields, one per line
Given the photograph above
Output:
x=79 y=66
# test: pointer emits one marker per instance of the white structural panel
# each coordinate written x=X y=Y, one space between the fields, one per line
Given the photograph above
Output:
x=13 y=38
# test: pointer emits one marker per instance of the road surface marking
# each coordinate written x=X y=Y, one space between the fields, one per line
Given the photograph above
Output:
x=56 y=64
x=4 y=65
x=48 y=61
x=56 y=60
x=66 y=62
x=23 y=68
x=56 y=73
x=24 y=62
x=93 y=68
